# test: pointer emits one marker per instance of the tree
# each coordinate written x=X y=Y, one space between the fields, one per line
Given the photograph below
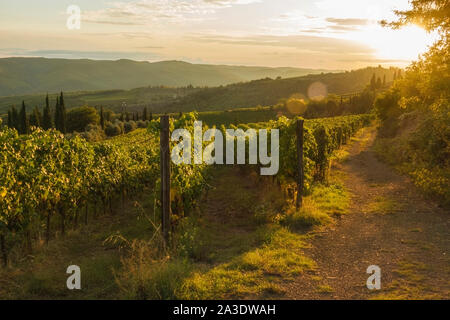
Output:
x=379 y=83
x=10 y=124
x=384 y=81
x=47 y=122
x=60 y=114
x=14 y=118
x=432 y=15
x=102 y=118
x=107 y=114
x=373 y=82
x=57 y=115
x=36 y=118
x=127 y=117
x=24 y=125
x=144 y=114
x=79 y=118
x=63 y=114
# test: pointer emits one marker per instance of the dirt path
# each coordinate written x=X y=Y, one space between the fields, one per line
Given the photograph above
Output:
x=389 y=225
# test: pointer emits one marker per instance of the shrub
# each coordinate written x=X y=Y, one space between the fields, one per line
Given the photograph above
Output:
x=142 y=124
x=129 y=126
x=309 y=215
x=113 y=129
x=79 y=118
x=93 y=133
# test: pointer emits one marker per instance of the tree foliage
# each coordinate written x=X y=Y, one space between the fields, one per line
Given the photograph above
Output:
x=79 y=118
x=430 y=14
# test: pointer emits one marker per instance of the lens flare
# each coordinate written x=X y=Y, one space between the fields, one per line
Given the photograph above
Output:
x=317 y=91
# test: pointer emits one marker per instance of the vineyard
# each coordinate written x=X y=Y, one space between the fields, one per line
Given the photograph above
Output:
x=48 y=181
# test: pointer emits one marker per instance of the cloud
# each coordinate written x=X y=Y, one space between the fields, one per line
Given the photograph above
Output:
x=123 y=35
x=301 y=42
x=119 y=23
x=150 y=47
x=298 y=22
x=142 y=12
x=342 y=28
x=348 y=22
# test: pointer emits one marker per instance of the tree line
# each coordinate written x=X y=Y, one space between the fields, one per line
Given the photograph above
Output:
x=78 y=119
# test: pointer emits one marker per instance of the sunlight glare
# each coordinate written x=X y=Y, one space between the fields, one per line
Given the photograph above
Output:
x=405 y=44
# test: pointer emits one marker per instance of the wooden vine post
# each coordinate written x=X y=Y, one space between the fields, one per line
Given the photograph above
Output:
x=300 y=173
x=165 y=178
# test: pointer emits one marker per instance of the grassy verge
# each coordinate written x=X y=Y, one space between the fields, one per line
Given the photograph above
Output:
x=409 y=284
x=434 y=181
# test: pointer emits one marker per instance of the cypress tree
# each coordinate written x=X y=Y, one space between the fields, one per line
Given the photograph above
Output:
x=151 y=116
x=373 y=82
x=57 y=115
x=144 y=114
x=63 y=114
x=10 y=125
x=24 y=125
x=14 y=118
x=47 y=122
x=37 y=118
x=102 y=118
x=127 y=117
x=32 y=119
x=379 y=84
x=384 y=80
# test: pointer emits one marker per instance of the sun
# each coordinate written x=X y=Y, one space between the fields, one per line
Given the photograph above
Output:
x=405 y=44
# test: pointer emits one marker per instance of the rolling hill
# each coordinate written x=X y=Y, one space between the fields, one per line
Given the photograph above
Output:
x=267 y=92
x=160 y=99
x=19 y=76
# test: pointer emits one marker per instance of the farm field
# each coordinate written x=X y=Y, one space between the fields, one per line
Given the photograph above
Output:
x=228 y=248
x=219 y=159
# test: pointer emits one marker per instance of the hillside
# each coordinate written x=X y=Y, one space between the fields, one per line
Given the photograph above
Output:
x=153 y=97
x=20 y=76
x=266 y=92
x=158 y=99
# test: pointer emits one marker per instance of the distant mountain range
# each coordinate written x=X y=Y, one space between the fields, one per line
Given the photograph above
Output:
x=19 y=76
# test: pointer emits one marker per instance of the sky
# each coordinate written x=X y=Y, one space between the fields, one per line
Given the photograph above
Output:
x=319 y=34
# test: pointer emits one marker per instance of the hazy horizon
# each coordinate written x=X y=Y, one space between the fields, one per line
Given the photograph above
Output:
x=319 y=34
x=183 y=61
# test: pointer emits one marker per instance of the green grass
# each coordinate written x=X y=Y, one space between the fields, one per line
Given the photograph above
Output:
x=252 y=273
x=324 y=289
x=309 y=215
x=407 y=284
x=43 y=274
x=383 y=205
